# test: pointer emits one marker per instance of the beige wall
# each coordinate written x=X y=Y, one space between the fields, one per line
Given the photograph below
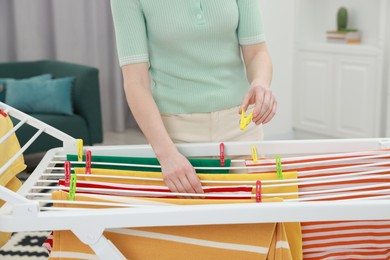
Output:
x=278 y=17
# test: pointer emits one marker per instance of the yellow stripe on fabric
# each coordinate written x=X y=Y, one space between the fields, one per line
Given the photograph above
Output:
x=14 y=184
x=136 y=247
x=8 y=148
x=193 y=241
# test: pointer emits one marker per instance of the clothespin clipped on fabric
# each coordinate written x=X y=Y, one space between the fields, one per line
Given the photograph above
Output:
x=67 y=173
x=245 y=120
x=88 y=162
x=4 y=114
x=279 y=170
x=72 y=186
x=80 y=150
x=222 y=154
x=254 y=154
x=258 y=191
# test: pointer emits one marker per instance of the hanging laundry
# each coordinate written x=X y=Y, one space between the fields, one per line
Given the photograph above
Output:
x=8 y=148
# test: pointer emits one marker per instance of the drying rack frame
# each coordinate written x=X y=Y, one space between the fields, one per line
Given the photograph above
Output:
x=23 y=214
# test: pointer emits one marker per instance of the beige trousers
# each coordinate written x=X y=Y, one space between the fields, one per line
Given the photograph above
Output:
x=220 y=126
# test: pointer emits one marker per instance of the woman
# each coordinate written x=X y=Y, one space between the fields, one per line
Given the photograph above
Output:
x=189 y=68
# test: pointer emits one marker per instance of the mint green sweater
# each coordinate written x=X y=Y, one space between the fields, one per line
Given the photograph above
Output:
x=192 y=47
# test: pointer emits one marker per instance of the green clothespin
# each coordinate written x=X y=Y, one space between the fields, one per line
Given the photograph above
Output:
x=279 y=170
x=72 y=187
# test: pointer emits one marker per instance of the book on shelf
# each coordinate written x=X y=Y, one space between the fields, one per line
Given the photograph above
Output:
x=348 y=36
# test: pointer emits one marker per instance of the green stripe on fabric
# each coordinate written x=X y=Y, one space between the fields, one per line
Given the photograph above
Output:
x=196 y=162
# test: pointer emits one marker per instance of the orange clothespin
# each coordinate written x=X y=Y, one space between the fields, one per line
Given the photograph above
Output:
x=67 y=173
x=245 y=120
x=258 y=191
x=222 y=154
x=4 y=114
x=88 y=161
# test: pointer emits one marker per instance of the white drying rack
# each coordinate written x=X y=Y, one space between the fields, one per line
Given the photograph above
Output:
x=25 y=211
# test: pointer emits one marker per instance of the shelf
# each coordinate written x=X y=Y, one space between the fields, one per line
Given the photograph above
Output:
x=340 y=48
x=315 y=17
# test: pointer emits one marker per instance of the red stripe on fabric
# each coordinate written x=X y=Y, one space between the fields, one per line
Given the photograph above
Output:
x=347 y=243
x=353 y=255
x=207 y=190
x=345 y=235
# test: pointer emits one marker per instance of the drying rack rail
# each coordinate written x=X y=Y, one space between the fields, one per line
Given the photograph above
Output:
x=27 y=211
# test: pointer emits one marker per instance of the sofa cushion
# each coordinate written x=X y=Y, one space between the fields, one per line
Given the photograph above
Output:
x=49 y=97
x=3 y=82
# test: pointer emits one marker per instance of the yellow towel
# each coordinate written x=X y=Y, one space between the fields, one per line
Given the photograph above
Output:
x=293 y=229
x=8 y=178
x=241 y=241
x=8 y=149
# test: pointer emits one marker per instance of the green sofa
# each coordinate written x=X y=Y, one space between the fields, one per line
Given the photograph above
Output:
x=86 y=123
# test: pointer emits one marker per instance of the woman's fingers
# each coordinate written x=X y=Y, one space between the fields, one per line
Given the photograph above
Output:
x=180 y=176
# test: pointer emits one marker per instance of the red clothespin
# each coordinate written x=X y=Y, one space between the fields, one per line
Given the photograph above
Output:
x=67 y=173
x=4 y=114
x=88 y=160
x=258 y=191
x=222 y=154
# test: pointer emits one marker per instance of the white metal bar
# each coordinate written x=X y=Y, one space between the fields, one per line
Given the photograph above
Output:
x=201 y=215
x=36 y=123
x=20 y=152
x=13 y=130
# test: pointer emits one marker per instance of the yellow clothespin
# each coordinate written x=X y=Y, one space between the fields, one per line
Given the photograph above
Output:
x=254 y=154
x=245 y=120
x=80 y=150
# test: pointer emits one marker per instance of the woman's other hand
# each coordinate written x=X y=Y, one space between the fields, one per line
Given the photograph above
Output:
x=264 y=101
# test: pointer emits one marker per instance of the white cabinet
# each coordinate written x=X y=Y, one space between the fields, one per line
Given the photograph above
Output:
x=338 y=88
x=312 y=98
x=336 y=95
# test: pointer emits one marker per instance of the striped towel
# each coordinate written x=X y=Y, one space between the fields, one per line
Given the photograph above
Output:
x=368 y=239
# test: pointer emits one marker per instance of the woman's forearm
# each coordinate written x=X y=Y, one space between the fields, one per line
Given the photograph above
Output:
x=144 y=109
x=258 y=65
x=259 y=73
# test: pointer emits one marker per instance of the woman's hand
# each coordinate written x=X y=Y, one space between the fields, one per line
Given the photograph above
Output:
x=265 y=103
x=178 y=174
x=259 y=72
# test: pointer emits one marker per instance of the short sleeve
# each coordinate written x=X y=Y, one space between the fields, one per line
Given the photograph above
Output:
x=250 y=26
x=130 y=31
